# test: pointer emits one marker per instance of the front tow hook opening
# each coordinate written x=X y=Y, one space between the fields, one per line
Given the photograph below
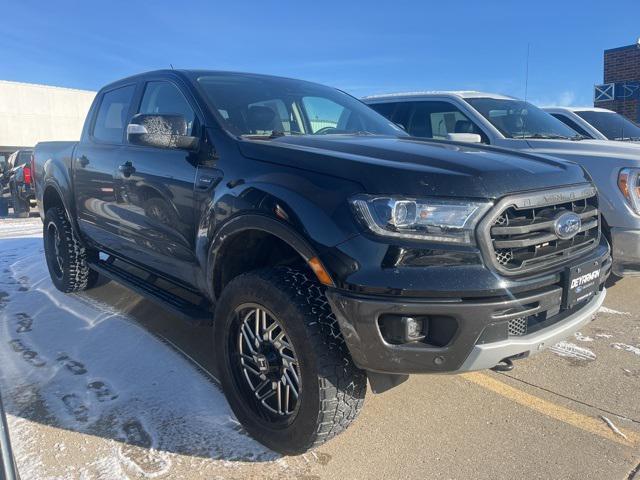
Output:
x=505 y=365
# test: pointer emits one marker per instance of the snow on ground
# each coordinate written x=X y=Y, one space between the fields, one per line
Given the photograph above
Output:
x=611 y=311
x=573 y=351
x=17 y=227
x=626 y=348
x=91 y=394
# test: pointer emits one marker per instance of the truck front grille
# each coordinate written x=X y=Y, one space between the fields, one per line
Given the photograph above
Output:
x=520 y=234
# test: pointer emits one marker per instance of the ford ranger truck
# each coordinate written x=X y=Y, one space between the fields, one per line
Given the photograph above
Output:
x=507 y=122
x=323 y=245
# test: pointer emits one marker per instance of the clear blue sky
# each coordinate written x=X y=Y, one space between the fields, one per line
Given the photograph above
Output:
x=358 y=46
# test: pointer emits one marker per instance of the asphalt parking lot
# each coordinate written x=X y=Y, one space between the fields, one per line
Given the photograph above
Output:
x=108 y=385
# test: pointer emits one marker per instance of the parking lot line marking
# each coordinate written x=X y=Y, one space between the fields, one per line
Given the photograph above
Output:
x=563 y=414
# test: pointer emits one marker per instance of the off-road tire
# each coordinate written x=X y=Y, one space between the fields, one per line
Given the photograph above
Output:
x=333 y=388
x=75 y=274
x=20 y=207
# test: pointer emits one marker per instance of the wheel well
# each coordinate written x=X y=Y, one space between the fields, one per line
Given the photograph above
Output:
x=50 y=199
x=251 y=250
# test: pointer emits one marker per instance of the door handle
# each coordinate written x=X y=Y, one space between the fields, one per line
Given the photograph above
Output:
x=83 y=161
x=127 y=169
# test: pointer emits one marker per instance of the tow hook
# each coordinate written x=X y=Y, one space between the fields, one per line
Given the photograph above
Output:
x=505 y=365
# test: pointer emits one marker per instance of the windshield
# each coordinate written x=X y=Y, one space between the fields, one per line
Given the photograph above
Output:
x=519 y=119
x=612 y=125
x=268 y=107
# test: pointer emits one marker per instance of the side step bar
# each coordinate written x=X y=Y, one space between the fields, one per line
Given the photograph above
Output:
x=198 y=314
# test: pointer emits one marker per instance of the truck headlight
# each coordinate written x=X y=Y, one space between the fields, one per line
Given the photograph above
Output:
x=429 y=219
x=629 y=184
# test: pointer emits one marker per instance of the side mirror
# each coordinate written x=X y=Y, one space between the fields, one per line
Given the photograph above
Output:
x=464 y=137
x=160 y=131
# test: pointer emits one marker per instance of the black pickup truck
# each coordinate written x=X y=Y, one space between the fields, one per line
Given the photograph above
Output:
x=322 y=243
x=17 y=178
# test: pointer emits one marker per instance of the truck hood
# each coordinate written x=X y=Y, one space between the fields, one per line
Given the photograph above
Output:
x=626 y=154
x=415 y=167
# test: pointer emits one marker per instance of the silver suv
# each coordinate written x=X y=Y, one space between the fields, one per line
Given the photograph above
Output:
x=512 y=123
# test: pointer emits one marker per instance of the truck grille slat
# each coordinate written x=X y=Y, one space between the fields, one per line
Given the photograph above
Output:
x=524 y=240
x=527 y=227
x=520 y=234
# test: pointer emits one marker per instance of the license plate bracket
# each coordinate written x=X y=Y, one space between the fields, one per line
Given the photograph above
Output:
x=582 y=282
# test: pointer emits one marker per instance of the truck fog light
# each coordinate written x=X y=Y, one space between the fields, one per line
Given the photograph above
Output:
x=397 y=329
x=413 y=328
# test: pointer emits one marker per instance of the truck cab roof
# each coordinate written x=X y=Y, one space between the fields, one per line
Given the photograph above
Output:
x=421 y=95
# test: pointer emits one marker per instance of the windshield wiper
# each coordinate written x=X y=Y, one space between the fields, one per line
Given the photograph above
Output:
x=541 y=136
x=273 y=134
x=363 y=132
x=280 y=133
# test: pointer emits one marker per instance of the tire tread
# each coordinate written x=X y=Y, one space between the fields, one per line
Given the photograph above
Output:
x=77 y=276
x=342 y=385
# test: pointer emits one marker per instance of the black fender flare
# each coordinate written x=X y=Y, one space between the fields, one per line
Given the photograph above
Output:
x=49 y=183
x=253 y=222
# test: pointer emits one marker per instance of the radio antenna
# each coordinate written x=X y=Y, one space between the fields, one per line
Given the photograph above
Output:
x=526 y=91
x=526 y=75
x=171 y=65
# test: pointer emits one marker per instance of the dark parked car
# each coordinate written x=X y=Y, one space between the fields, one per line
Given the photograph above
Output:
x=17 y=178
x=324 y=245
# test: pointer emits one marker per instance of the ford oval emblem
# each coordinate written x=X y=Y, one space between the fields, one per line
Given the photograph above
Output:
x=567 y=225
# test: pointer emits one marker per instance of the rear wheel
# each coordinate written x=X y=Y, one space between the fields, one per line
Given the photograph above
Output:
x=283 y=364
x=20 y=207
x=67 y=258
x=4 y=205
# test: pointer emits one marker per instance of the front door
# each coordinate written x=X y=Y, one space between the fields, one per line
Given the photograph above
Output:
x=155 y=192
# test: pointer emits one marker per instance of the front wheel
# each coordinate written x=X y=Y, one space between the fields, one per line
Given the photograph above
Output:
x=283 y=364
x=67 y=257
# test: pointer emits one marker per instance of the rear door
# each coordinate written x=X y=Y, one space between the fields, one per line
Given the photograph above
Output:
x=94 y=163
x=155 y=190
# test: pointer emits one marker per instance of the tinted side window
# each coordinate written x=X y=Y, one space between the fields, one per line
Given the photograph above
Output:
x=571 y=124
x=166 y=98
x=438 y=119
x=24 y=157
x=112 y=115
x=384 y=109
x=323 y=113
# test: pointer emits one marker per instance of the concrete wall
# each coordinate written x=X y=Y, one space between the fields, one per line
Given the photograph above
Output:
x=31 y=113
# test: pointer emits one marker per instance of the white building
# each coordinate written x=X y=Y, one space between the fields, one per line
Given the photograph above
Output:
x=31 y=113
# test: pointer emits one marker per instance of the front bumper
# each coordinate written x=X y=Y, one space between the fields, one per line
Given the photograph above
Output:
x=476 y=343
x=489 y=355
x=626 y=251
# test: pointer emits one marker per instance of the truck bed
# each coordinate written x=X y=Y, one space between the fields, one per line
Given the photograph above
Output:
x=58 y=157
